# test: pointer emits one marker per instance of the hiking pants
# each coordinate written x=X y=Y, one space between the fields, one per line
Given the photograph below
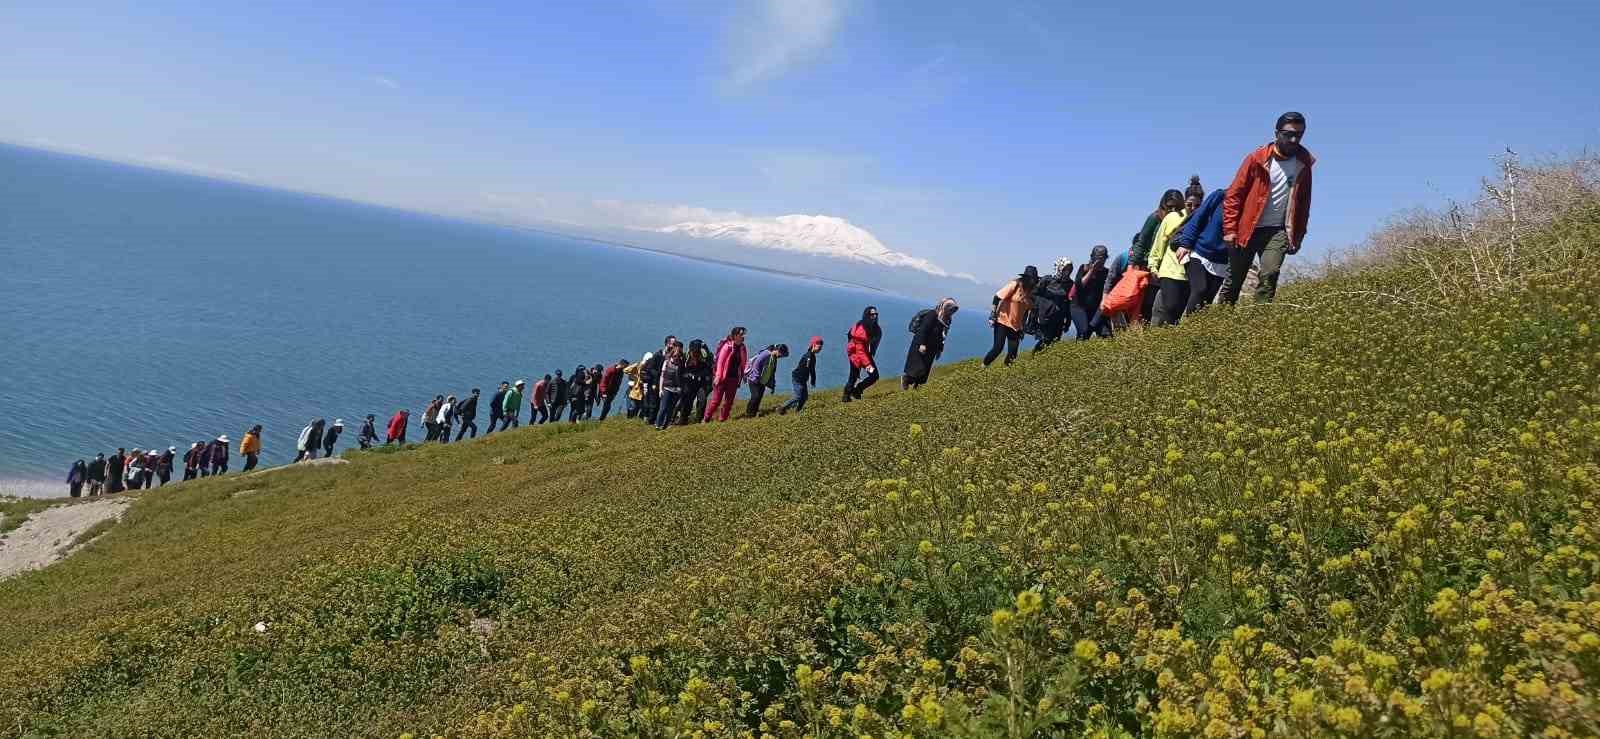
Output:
x=605 y=406
x=1147 y=306
x=1172 y=296
x=1203 y=286
x=1049 y=333
x=722 y=399
x=164 y=477
x=1272 y=245
x=249 y=464
x=433 y=431
x=757 y=392
x=467 y=423
x=1007 y=337
x=798 y=402
x=495 y=418
x=511 y=420
x=652 y=403
x=701 y=396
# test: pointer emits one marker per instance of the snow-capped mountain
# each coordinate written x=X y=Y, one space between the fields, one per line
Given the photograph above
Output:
x=820 y=235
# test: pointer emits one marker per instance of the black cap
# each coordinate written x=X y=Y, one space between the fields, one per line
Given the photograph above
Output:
x=1030 y=272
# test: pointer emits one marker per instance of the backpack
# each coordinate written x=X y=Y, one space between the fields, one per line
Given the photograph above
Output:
x=916 y=320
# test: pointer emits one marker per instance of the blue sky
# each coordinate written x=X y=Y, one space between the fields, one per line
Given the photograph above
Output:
x=980 y=135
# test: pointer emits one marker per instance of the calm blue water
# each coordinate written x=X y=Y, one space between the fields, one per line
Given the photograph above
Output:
x=145 y=308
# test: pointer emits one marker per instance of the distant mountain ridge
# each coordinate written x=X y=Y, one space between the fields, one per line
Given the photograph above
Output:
x=821 y=235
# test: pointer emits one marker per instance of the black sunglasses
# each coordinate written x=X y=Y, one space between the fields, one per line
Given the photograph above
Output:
x=1291 y=135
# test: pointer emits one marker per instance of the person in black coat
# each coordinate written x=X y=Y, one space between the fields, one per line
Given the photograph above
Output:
x=927 y=343
x=331 y=437
x=1051 y=304
x=495 y=401
x=577 y=387
x=1089 y=286
x=466 y=411
x=115 y=470
x=97 y=474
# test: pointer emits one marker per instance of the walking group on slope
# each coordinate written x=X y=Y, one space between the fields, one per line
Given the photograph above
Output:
x=1193 y=250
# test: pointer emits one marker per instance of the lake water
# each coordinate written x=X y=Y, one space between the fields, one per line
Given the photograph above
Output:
x=145 y=308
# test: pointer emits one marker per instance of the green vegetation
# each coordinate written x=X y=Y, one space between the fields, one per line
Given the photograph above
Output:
x=1358 y=511
x=14 y=511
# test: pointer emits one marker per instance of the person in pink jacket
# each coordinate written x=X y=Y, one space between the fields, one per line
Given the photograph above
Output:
x=726 y=374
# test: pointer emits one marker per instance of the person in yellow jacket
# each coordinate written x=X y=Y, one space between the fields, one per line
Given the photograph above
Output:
x=250 y=447
x=1172 y=278
x=635 y=386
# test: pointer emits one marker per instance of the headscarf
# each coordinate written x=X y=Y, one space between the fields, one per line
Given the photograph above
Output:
x=947 y=307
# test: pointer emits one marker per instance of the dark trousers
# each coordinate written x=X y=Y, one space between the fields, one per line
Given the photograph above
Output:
x=511 y=420
x=164 y=477
x=433 y=430
x=1272 y=245
x=539 y=414
x=1172 y=296
x=467 y=423
x=1088 y=323
x=151 y=475
x=859 y=380
x=669 y=404
x=218 y=468
x=75 y=489
x=1006 y=337
x=1203 y=286
x=249 y=462
x=190 y=473
x=1049 y=333
x=444 y=433
x=798 y=402
x=757 y=392
x=555 y=411
x=1148 y=305
x=701 y=395
x=495 y=418
x=577 y=412
x=605 y=406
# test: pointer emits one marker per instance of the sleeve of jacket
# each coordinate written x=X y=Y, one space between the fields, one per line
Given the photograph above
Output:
x=1189 y=235
x=1233 y=202
x=1140 y=254
x=812 y=370
x=1302 y=212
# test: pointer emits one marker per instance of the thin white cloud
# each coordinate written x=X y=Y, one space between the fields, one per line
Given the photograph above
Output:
x=166 y=162
x=774 y=36
x=383 y=81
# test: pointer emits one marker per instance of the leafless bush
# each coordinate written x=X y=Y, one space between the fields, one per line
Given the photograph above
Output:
x=1489 y=244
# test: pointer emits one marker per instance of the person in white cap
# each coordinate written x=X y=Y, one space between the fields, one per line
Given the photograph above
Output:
x=332 y=436
x=219 y=455
x=511 y=406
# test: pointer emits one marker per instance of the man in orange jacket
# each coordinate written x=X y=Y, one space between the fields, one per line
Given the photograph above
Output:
x=1266 y=209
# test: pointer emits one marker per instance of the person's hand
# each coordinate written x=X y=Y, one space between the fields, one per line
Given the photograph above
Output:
x=1294 y=248
x=1182 y=253
x=922 y=348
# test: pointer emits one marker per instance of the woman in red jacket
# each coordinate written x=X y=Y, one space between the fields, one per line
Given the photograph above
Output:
x=397 y=427
x=862 y=348
x=727 y=371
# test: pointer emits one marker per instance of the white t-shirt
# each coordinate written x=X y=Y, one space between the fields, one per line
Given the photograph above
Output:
x=1282 y=174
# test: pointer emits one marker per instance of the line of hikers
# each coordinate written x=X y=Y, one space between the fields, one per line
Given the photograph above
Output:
x=1195 y=249
x=1188 y=254
x=675 y=384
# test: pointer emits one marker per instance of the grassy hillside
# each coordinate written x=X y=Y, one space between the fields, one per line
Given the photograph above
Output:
x=1332 y=515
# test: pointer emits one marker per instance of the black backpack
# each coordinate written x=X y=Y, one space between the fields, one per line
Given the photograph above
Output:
x=916 y=320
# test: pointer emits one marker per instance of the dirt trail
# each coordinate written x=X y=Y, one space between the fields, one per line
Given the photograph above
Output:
x=46 y=535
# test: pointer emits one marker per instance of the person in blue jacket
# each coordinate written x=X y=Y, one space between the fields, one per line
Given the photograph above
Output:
x=1200 y=240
